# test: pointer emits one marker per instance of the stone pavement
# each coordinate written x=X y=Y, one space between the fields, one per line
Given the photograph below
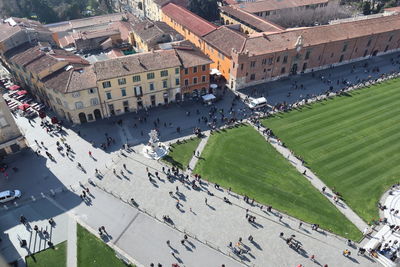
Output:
x=315 y=181
x=199 y=150
x=71 y=245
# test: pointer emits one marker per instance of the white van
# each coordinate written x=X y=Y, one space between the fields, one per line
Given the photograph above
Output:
x=9 y=195
x=257 y=103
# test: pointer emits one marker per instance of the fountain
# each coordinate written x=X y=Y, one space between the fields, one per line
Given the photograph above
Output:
x=154 y=148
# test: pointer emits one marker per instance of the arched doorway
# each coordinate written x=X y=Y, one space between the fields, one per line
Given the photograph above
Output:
x=178 y=97
x=82 y=117
x=97 y=114
x=294 y=69
x=375 y=53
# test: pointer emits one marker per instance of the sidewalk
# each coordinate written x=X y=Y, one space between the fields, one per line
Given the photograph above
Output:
x=199 y=149
x=316 y=182
x=71 y=245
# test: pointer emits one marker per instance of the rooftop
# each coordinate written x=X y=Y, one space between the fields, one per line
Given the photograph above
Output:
x=269 y=5
x=11 y=26
x=268 y=43
x=189 y=20
x=72 y=78
x=218 y=39
x=138 y=63
x=190 y=55
x=253 y=20
x=148 y=30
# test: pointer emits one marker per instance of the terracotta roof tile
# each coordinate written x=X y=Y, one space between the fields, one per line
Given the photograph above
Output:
x=190 y=55
x=148 y=30
x=189 y=20
x=137 y=63
x=269 y=43
x=219 y=40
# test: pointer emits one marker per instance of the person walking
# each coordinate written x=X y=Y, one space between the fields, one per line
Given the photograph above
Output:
x=205 y=200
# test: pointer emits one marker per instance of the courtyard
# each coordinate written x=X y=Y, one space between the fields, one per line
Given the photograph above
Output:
x=350 y=142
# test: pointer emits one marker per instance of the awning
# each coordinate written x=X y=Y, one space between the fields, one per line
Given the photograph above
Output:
x=215 y=72
x=14 y=87
x=213 y=86
x=208 y=97
x=22 y=92
x=24 y=106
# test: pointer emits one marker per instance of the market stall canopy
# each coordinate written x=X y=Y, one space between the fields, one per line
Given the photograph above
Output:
x=22 y=92
x=24 y=106
x=208 y=97
x=215 y=72
x=14 y=87
x=213 y=86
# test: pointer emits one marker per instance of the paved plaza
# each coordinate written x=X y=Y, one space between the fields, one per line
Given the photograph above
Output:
x=139 y=236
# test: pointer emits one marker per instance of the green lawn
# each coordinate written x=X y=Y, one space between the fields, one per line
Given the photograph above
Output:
x=56 y=256
x=181 y=154
x=351 y=142
x=240 y=158
x=94 y=252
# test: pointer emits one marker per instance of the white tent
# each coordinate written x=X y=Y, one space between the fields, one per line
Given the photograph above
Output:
x=215 y=71
x=208 y=97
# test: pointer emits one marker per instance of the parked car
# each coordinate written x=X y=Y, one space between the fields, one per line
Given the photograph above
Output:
x=9 y=195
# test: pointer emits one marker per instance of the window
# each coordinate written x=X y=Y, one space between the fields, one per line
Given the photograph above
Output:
x=369 y=42
x=136 y=78
x=90 y=117
x=65 y=103
x=92 y=90
x=151 y=86
x=186 y=82
x=195 y=80
x=278 y=59
x=252 y=64
x=203 y=79
x=76 y=94
x=121 y=81
x=344 y=48
x=270 y=60
x=165 y=83
x=108 y=95
x=176 y=70
x=284 y=60
x=58 y=101
x=307 y=55
x=78 y=105
x=332 y=55
x=164 y=73
x=194 y=69
x=241 y=66
x=138 y=91
x=150 y=75
x=123 y=91
x=107 y=84
x=283 y=70
x=125 y=103
x=94 y=101
x=252 y=77
x=203 y=68
x=264 y=61
x=177 y=81
x=186 y=71
x=390 y=38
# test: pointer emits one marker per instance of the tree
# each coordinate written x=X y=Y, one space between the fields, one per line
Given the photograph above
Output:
x=207 y=9
x=367 y=8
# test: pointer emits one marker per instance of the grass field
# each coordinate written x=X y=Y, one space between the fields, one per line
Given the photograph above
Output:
x=240 y=158
x=180 y=154
x=93 y=252
x=49 y=257
x=351 y=142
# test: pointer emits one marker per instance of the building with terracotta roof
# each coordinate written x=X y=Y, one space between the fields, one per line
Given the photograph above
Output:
x=195 y=71
x=269 y=56
x=249 y=22
x=188 y=24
